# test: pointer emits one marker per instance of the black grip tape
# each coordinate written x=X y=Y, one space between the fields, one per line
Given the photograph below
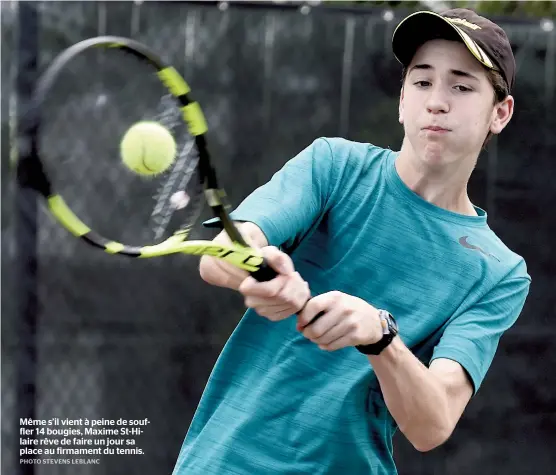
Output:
x=264 y=273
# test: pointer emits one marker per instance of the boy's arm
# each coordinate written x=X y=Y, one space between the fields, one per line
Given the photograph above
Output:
x=426 y=402
x=278 y=213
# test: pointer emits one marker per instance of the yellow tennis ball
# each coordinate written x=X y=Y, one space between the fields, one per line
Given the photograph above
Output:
x=148 y=148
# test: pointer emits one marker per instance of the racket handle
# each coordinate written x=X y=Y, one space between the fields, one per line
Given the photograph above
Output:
x=264 y=273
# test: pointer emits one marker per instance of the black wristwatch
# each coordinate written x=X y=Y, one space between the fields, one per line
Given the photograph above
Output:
x=389 y=331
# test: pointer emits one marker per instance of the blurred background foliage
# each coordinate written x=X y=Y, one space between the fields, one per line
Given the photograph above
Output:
x=520 y=9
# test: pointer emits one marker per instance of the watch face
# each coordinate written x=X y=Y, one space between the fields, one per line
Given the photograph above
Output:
x=376 y=348
x=392 y=324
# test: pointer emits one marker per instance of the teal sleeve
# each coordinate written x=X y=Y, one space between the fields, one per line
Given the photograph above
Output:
x=288 y=206
x=472 y=338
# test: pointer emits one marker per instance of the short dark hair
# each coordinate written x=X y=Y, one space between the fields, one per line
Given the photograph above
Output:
x=501 y=89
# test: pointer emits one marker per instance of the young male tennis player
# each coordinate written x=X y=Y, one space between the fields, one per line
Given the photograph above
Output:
x=416 y=289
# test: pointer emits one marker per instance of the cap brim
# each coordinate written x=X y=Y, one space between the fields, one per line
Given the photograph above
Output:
x=420 y=27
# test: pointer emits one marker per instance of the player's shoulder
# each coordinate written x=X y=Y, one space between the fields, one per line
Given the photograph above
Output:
x=342 y=146
x=511 y=264
x=346 y=152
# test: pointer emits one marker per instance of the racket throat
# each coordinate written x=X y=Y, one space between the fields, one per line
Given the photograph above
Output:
x=216 y=198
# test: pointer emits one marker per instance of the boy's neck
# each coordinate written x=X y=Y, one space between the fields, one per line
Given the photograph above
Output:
x=445 y=187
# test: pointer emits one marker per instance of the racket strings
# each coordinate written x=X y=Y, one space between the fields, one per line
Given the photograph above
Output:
x=172 y=193
x=94 y=101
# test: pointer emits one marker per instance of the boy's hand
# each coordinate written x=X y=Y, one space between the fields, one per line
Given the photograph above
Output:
x=281 y=297
x=345 y=321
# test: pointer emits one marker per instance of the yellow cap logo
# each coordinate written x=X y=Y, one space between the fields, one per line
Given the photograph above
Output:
x=463 y=22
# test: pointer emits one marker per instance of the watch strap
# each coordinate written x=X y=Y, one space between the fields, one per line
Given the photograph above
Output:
x=389 y=331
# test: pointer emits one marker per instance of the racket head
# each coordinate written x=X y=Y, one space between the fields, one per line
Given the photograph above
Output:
x=165 y=97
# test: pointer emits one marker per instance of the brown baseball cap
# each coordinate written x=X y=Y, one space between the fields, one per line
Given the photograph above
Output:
x=486 y=41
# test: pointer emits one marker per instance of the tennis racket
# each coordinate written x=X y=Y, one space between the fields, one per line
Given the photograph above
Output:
x=84 y=102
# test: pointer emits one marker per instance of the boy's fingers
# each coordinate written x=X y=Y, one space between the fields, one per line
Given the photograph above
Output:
x=278 y=260
x=250 y=287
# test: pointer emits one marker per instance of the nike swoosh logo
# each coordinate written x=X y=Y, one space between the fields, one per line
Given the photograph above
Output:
x=464 y=243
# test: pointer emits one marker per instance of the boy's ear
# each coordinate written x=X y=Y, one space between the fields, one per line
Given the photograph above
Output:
x=502 y=114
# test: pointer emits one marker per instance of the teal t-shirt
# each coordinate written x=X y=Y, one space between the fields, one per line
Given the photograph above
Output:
x=277 y=404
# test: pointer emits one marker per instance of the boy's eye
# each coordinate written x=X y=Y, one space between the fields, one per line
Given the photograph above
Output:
x=422 y=83
x=461 y=88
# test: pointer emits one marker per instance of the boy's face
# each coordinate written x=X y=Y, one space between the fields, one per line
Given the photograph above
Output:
x=447 y=104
